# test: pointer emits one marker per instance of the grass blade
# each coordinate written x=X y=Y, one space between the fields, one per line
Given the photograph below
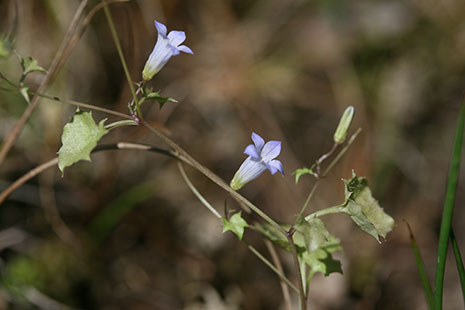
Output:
x=458 y=260
x=448 y=211
x=421 y=269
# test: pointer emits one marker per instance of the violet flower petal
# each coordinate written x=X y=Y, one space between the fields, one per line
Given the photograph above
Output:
x=271 y=150
x=176 y=37
x=258 y=141
x=251 y=150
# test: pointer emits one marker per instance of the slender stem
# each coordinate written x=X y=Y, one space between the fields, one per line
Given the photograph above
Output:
x=53 y=69
x=328 y=169
x=341 y=153
x=331 y=210
x=295 y=256
x=82 y=105
x=42 y=167
x=324 y=156
x=121 y=124
x=269 y=264
x=277 y=263
x=309 y=197
x=29 y=175
x=197 y=193
x=114 y=34
x=3 y=77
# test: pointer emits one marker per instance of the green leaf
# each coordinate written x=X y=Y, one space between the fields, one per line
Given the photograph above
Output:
x=448 y=211
x=79 y=138
x=319 y=244
x=29 y=65
x=356 y=213
x=322 y=261
x=302 y=171
x=314 y=234
x=365 y=210
x=421 y=269
x=148 y=94
x=236 y=224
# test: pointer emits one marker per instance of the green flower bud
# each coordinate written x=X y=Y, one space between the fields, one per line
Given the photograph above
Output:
x=344 y=124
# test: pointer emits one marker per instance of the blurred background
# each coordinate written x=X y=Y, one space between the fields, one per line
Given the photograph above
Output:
x=125 y=232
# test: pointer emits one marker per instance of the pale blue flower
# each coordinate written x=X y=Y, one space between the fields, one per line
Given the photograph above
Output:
x=261 y=157
x=166 y=47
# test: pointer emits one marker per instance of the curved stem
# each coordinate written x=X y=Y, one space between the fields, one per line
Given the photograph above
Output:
x=267 y=262
x=197 y=194
x=328 y=169
x=330 y=210
x=53 y=162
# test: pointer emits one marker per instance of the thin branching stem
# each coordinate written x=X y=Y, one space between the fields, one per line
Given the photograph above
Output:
x=53 y=162
x=328 y=169
x=53 y=69
x=272 y=267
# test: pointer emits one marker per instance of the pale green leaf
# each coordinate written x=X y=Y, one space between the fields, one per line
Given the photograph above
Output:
x=79 y=138
x=321 y=260
x=356 y=213
x=365 y=210
x=236 y=224
x=314 y=234
x=148 y=94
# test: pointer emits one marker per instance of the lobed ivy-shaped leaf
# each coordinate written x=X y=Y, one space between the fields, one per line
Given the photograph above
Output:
x=319 y=247
x=314 y=233
x=364 y=210
x=79 y=138
x=236 y=224
x=321 y=260
x=314 y=244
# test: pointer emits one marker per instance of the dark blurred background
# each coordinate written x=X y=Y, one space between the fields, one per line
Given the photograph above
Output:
x=125 y=232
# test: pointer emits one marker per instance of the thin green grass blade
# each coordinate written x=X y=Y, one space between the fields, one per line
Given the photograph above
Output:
x=458 y=260
x=448 y=211
x=421 y=269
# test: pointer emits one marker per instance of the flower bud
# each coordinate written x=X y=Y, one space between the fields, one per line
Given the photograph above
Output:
x=344 y=124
